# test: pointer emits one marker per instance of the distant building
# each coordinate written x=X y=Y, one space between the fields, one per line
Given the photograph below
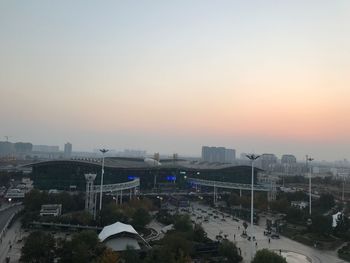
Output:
x=230 y=155
x=46 y=148
x=133 y=153
x=51 y=210
x=18 y=148
x=288 y=159
x=288 y=164
x=14 y=194
x=68 y=150
x=218 y=154
x=63 y=174
x=267 y=161
x=299 y=204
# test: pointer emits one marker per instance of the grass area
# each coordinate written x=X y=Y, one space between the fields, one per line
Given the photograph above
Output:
x=321 y=242
x=299 y=234
x=292 y=231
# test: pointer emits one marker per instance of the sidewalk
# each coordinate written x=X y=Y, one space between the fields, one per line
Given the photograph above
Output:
x=9 y=246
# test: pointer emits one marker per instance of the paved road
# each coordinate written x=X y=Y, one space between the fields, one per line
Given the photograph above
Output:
x=6 y=214
x=233 y=230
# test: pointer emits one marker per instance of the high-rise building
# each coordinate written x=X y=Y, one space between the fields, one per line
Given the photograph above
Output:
x=230 y=155
x=68 y=150
x=46 y=148
x=288 y=159
x=18 y=148
x=218 y=154
x=267 y=161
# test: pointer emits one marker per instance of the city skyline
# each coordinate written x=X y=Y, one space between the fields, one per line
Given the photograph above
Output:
x=174 y=76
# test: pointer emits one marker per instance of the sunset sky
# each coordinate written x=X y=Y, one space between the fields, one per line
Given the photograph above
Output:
x=171 y=76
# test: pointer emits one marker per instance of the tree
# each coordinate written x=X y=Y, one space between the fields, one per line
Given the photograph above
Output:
x=111 y=214
x=321 y=224
x=233 y=199
x=229 y=251
x=199 y=235
x=178 y=244
x=280 y=205
x=267 y=256
x=84 y=247
x=160 y=255
x=34 y=199
x=39 y=247
x=183 y=223
x=260 y=201
x=141 y=218
x=326 y=201
x=109 y=256
x=294 y=215
x=342 y=228
x=131 y=255
x=5 y=179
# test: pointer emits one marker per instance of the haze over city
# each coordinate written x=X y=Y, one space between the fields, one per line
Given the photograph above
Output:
x=257 y=76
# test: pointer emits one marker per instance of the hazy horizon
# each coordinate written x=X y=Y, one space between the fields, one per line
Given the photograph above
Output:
x=172 y=76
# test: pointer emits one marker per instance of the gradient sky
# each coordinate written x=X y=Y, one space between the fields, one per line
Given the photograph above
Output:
x=171 y=76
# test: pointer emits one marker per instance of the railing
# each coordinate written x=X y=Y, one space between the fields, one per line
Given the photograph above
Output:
x=62 y=225
x=228 y=185
x=118 y=187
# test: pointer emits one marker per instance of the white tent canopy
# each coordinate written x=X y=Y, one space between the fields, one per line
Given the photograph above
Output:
x=115 y=229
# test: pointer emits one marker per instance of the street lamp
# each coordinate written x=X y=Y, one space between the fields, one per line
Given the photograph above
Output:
x=103 y=151
x=252 y=157
x=308 y=160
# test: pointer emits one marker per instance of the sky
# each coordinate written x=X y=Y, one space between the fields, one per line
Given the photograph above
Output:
x=171 y=76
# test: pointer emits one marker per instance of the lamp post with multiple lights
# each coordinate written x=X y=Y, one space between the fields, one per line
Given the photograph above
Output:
x=252 y=157
x=308 y=160
x=103 y=151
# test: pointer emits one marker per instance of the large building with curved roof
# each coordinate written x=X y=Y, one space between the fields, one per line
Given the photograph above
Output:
x=63 y=174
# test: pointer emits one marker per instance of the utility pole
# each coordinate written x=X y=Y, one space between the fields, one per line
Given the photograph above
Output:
x=103 y=151
x=252 y=157
x=342 y=196
x=308 y=160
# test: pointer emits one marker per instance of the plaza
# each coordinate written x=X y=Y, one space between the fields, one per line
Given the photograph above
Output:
x=222 y=224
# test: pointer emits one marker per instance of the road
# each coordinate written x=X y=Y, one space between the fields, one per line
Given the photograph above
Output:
x=233 y=229
x=6 y=214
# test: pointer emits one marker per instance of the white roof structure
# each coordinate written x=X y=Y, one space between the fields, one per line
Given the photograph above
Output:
x=115 y=229
x=119 y=237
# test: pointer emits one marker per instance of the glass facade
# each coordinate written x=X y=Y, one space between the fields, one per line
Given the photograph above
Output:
x=62 y=175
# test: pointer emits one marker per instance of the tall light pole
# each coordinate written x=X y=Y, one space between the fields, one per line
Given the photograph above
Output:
x=308 y=160
x=252 y=157
x=103 y=151
x=342 y=195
